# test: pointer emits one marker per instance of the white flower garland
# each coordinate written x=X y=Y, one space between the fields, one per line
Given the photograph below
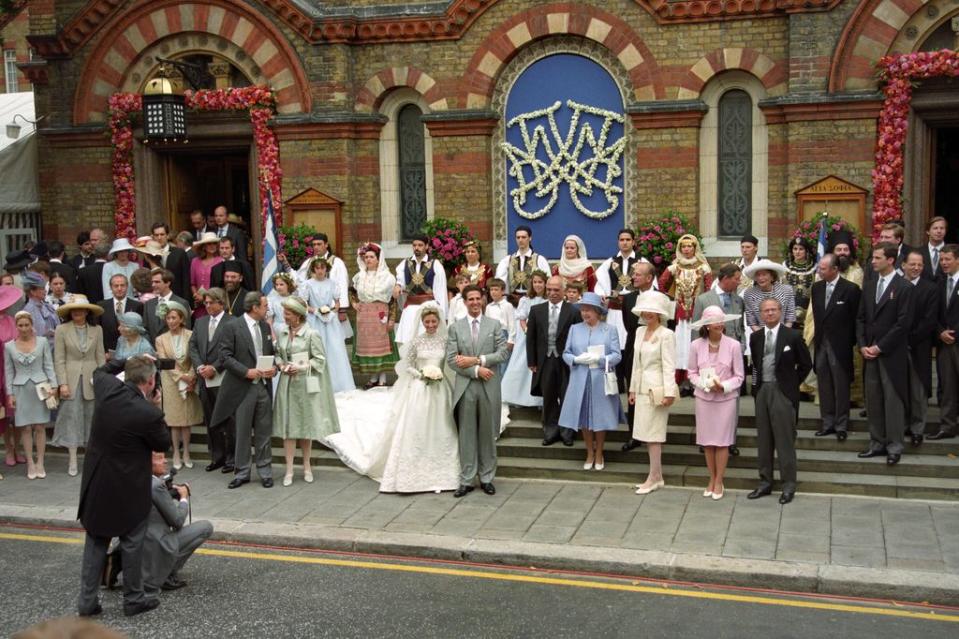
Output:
x=564 y=164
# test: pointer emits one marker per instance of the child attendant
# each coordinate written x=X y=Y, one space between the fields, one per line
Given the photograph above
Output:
x=574 y=292
x=322 y=297
x=457 y=305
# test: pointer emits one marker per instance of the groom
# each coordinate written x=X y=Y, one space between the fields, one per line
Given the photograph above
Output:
x=475 y=349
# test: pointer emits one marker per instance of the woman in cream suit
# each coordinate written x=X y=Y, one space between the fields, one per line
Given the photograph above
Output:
x=653 y=387
x=78 y=350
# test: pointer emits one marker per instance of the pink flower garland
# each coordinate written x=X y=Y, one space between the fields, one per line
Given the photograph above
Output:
x=899 y=71
x=260 y=102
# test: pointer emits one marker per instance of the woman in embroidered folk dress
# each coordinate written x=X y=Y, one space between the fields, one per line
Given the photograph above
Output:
x=374 y=351
x=476 y=271
x=652 y=387
x=77 y=353
x=800 y=266
x=28 y=361
x=716 y=371
x=322 y=298
x=685 y=279
x=181 y=404
x=304 y=409
x=574 y=266
x=409 y=442
x=518 y=377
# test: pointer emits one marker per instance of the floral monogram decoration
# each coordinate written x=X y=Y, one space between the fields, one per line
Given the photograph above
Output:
x=566 y=162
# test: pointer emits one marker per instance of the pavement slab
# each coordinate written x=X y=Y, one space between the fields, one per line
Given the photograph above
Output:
x=818 y=543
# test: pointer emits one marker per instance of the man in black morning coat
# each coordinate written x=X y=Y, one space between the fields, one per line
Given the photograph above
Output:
x=115 y=495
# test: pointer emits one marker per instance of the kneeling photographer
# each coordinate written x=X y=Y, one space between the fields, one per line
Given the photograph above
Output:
x=169 y=543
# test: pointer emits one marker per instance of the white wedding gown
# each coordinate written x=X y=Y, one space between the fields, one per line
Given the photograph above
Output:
x=403 y=437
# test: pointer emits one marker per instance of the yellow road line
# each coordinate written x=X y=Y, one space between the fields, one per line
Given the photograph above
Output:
x=535 y=579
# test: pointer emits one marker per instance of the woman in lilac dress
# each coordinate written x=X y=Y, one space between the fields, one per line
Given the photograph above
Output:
x=716 y=373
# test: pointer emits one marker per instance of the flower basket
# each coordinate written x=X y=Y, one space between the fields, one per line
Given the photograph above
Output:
x=295 y=242
x=656 y=237
x=809 y=231
x=445 y=239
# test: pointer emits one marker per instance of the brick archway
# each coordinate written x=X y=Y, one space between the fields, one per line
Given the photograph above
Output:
x=137 y=30
x=870 y=32
x=773 y=75
x=374 y=91
x=505 y=41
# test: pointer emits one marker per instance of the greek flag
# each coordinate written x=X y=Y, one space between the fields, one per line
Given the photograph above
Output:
x=821 y=249
x=270 y=244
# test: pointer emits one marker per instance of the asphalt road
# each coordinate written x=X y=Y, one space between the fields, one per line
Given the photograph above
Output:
x=274 y=592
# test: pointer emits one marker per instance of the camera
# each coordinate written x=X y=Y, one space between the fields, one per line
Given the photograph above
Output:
x=170 y=486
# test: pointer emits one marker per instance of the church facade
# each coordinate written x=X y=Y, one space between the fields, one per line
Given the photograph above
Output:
x=577 y=116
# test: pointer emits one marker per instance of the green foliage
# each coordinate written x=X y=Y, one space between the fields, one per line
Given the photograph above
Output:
x=295 y=242
x=658 y=236
x=446 y=240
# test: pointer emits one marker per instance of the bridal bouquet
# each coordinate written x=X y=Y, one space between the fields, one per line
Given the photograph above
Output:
x=432 y=374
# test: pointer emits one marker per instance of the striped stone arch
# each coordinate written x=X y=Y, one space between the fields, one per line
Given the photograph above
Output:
x=132 y=34
x=868 y=35
x=559 y=19
x=371 y=95
x=773 y=75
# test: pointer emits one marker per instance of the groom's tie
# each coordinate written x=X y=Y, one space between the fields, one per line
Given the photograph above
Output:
x=475 y=332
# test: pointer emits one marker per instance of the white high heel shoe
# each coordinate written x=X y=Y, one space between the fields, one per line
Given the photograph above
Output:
x=645 y=490
x=288 y=479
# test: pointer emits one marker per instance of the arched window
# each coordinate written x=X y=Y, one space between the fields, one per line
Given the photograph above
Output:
x=733 y=164
x=406 y=170
x=735 y=170
x=412 y=170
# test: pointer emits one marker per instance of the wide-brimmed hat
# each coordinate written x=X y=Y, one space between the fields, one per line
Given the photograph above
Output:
x=764 y=265
x=713 y=315
x=207 y=238
x=594 y=300
x=163 y=308
x=233 y=218
x=653 y=302
x=121 y=244
x=17 y=260
x=132 y=320
x=151 y=247
x=295 y=304
x=78 y=303
x=40 y=250
x=9 y=295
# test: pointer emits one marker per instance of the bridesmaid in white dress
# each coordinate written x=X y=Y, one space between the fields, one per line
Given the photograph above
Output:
x=322 y=297
x=412 y=446
x=518 y=378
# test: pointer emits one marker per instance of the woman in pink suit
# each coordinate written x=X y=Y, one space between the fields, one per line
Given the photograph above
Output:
x=716 y=373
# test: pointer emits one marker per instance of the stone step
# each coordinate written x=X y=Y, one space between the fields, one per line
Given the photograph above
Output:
x=746 y=436
x=739 y=478
x=840 y=462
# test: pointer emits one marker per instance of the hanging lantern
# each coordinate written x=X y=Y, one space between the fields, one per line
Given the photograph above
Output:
x=164 y=112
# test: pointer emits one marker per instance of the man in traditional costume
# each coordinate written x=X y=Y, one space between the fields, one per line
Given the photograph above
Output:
x=418 y=279
x=517 y=268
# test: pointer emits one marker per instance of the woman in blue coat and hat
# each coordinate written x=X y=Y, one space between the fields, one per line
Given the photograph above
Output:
x=592 y=349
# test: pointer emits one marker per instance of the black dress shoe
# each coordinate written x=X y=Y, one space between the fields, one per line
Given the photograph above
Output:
x=823 y=432
x=760 y=492
x=549 y=441
x=237 y=482
x=213 y=466
x=227 y=469
x=267 y=482
x=488 y=488
x=866 y=454
x=786 y=497
x=862 y=413
x=893 y=459
x=841 y=435
x=173 y=582
x=568 y=442
x=462 y=491
x=144 y=606
x=940 y=435
x=93 y=612
x=632 y=444
x=916 y=440
x=733 y=451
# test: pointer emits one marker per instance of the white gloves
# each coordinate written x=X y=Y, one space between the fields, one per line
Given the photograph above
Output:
x=587 y=358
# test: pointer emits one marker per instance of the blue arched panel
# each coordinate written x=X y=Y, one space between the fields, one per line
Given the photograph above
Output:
x=550 y=167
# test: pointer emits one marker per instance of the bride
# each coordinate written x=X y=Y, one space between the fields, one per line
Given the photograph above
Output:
x=405 y=438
